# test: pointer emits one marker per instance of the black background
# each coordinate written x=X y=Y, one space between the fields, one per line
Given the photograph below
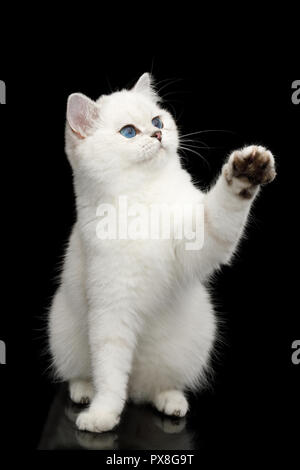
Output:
x=252 y=402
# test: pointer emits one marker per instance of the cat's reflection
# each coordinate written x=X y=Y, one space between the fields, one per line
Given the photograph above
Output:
x=140 y=428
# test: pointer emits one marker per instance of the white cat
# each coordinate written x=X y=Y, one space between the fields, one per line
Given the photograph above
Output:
x=132 y=318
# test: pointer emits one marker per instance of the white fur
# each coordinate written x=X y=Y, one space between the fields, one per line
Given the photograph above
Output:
x=133 y=318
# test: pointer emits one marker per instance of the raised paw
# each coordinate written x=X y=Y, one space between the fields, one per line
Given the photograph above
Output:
x=81 y=391
x=172 y=403
x=97 y=420
x=248 y=168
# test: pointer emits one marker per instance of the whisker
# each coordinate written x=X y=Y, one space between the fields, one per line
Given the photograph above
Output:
x=170 y=81
x=152 y=65
x=170 y=93
x=208 y=130
x=173 y=110
x=109 y=84
x=207 y=147
x=192 y=140
x=196 y=146
x=197 y=153
x=158 y=82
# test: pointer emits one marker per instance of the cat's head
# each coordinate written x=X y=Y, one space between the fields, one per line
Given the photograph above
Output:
x=125 y=130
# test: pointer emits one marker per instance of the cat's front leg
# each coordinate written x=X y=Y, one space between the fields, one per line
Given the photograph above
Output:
x=227 y=204
x=112 y=336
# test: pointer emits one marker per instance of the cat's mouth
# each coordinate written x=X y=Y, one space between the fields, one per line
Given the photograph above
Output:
x=151 y=151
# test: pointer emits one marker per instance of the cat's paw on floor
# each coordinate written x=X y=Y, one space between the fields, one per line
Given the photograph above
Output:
x=172 y=403
x=97 y=420
x=81 y=391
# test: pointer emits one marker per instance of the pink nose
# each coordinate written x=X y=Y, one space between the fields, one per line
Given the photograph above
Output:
x=158 y=135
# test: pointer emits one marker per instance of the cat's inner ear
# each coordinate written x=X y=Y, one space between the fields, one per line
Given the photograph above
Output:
x=81 y=114
x=145 y=85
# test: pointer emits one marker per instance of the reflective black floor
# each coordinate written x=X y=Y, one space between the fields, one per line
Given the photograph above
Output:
x=141 y=427
x=239 y=422
x=235 y=424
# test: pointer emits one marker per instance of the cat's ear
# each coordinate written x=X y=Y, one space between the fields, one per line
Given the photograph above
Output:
x=81 y=114
x=145 y=85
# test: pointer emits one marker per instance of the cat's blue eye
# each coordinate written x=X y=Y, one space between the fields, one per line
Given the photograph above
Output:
x=128 y=131
x=157 y=122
